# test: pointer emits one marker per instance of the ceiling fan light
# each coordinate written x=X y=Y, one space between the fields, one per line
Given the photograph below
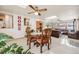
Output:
x=36 y=13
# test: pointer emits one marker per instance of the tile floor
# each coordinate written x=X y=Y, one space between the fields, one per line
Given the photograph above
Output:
x=59 y=45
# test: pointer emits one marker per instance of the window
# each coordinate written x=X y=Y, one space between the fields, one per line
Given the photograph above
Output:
x=6 y=21
x=71 y=26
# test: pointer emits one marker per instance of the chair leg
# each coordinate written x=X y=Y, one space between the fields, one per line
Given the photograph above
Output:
x=50 y=40
x=48 y=46
x=29 y=45
x=41 y=48
x=27 y=42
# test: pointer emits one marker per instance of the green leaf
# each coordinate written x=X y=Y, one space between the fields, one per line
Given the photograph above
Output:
x=19 y=50
x=2 y=43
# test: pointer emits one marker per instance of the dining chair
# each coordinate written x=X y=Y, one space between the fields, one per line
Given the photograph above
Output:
x=30 y=38
x=47 y=33
x=44 y=38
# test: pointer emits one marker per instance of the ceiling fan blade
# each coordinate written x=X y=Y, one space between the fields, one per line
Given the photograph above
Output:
x=31 y=7
x=30 y=12
x=43 y=10
x=36 y=8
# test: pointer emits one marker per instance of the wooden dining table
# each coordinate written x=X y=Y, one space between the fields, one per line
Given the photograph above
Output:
x=36 y=33
x=36 y=36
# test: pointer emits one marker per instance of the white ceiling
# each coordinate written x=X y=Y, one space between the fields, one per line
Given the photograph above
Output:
x=52 y=10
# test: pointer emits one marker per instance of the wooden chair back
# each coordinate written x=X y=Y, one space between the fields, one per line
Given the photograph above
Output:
x=47 y=32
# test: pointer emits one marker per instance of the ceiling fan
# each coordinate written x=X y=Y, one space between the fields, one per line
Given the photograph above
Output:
x=36 y=10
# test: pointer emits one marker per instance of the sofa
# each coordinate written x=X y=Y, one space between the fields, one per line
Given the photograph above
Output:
x=74 y=35
x=55 y=33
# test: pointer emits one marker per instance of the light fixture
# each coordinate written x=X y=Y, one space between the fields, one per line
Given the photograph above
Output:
x=36 y=13
x=7 y=16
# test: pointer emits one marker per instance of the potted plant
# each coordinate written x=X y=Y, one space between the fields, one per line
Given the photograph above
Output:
x=12 y=49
